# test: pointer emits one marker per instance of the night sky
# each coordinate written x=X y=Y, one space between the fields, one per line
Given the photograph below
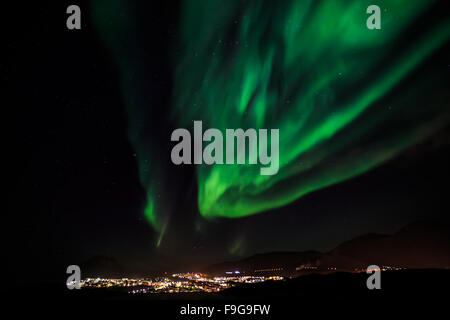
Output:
x=89 y=115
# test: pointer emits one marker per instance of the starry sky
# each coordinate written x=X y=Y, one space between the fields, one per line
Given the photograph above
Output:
x=363 y=118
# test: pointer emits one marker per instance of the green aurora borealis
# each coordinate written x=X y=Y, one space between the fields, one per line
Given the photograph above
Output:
x=336 y=91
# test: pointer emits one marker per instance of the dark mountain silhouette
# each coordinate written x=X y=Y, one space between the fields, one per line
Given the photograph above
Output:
x=422 y=244
x=100 y=266
x=265 y=263
x=138 y=267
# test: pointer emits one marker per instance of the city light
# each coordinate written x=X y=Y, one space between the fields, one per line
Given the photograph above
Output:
x=176 y=283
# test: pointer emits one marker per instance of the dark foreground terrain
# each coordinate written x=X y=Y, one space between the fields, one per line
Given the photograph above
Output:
x=403 y=291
